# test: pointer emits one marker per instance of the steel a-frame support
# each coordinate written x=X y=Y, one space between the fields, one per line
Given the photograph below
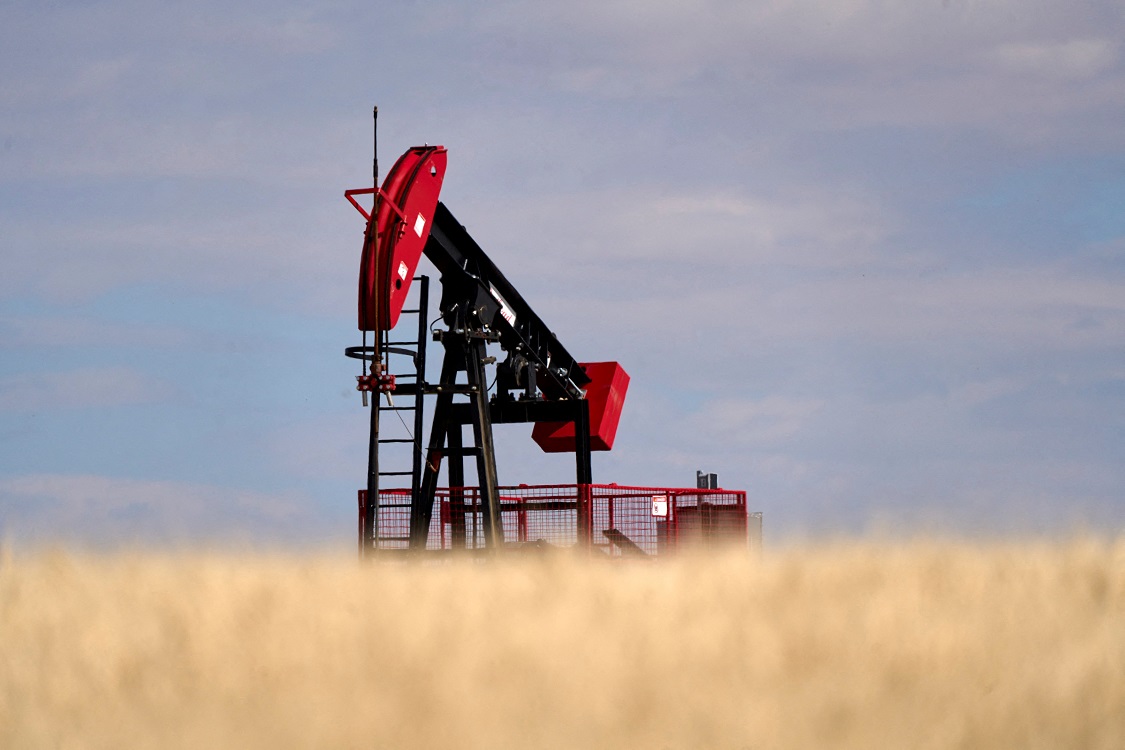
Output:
x=462 y=354
x=446 y=441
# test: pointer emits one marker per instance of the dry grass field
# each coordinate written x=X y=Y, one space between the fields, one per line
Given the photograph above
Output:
x=861 y=645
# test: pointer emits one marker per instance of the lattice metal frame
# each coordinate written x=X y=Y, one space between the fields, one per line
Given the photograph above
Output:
x=614 y=520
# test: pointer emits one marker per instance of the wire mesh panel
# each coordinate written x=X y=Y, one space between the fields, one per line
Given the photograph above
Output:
x=615 y=520
x=655 y=521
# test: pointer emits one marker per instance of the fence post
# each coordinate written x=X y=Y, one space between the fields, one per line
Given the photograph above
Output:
x=585 y=518
x=521 y=520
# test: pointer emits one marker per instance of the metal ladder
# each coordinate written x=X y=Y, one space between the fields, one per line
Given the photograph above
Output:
x=414 y=390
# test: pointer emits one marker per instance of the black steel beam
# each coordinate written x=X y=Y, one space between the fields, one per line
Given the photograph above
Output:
x=482 y=431
x=472 y=281
x=456 y=483
x=515 y=412
x=582 y=441
x=423 y=503
x=420 y=378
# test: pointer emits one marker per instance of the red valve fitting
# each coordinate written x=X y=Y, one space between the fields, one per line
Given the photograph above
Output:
x=383 y=383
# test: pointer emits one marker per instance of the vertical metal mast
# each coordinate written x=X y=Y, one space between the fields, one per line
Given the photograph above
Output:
x=372 y=509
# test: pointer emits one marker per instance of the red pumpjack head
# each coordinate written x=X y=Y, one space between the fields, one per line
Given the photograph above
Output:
x=394 y=241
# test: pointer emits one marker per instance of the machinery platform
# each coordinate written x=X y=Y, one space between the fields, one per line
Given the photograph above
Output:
x=613 y=520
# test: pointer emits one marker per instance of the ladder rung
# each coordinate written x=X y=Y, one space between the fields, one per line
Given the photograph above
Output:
x=393 y=539
x=470 y=451
x=457 y=388
x=396 y=473
x=402 y=343
x=397 y=408
x=396 y=440
x=410 y=310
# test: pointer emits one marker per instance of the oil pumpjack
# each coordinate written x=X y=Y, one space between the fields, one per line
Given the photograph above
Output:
x=575 y=407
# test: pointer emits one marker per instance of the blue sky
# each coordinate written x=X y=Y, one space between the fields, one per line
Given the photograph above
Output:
x=864 y=260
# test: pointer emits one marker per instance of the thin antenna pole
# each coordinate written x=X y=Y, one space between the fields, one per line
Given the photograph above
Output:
x=372 y=510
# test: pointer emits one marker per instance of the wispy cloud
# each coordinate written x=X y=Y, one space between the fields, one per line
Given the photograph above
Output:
x=329 y=447
x=52 y=507
x=74 y=332
x=832 y=64
x=710 y=230
x=1073 y=59
x=90 y=387
x=771 y=421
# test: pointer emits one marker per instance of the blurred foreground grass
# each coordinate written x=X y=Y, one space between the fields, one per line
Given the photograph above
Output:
x=865 y=645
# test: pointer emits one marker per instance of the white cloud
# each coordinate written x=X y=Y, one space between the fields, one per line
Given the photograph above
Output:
x=294 y=30
x=830 y=65
x=1071 y=59
x=1039 y=309
x=248 y=251
x=744 y=422
x=89 y=387
x=330 y=447
x=74 y=333
x=980 y=392
x=813 y=228
x=46 y=507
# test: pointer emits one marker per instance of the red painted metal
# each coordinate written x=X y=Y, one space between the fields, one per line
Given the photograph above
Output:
x=397 y=233
x=369 y=383
x=606 y=394
x=350 y=195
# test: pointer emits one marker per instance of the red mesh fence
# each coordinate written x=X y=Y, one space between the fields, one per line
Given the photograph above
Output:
x=616 y=520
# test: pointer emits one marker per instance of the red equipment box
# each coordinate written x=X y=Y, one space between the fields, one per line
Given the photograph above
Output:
x=606 y=395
